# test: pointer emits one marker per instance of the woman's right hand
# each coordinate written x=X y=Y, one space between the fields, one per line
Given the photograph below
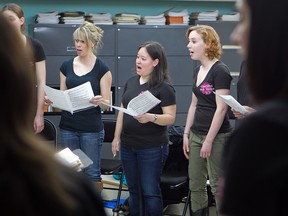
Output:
x=115 y=146
x=239 y=115
x=47 y=101
x=186 y=145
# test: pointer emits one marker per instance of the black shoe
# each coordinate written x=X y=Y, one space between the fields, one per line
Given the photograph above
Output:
x=201 y=212
x=125 y=207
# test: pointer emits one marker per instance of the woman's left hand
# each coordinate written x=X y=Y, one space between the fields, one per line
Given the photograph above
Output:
x=147 y=117
x=47 y=101
x=97 y=100
x=206 y=149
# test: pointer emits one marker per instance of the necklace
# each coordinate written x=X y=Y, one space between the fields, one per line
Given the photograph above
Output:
x=142 y=80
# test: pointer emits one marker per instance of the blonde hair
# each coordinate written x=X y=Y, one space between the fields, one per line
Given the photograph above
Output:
x=210 y=38
x=91 y=34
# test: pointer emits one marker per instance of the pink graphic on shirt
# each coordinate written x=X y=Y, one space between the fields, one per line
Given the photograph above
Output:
x=206 y=88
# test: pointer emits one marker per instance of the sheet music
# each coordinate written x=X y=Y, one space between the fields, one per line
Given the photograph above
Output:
x=57 y=97
x=232 y=102
x=140 y=104
x=74 y=99
x=80 y=96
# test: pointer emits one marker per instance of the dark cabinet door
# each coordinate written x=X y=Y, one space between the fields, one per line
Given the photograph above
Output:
x=172 y=38
x=57 y=39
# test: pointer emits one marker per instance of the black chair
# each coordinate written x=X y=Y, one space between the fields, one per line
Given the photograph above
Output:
x=174 y=179
x=49 y=133
x=112 y=166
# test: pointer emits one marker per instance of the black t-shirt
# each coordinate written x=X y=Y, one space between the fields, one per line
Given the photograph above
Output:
x=243 y=95
x=88 y=120
x=38 y=55
x=218 y=77
x=145 y=135
x=37 y=48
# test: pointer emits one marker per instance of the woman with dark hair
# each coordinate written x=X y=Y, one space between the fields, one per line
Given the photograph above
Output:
x=144 y=138
x=255 y=159
x=32 y=182
x=15 y=15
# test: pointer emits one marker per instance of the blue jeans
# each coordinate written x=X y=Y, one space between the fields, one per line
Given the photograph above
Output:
x=90 y=144
x=143 y=168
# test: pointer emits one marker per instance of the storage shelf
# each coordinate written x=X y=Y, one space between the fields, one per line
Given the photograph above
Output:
x=197 y=0
x=120 y=44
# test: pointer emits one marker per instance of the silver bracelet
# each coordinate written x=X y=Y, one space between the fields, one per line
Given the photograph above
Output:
x=155 y=118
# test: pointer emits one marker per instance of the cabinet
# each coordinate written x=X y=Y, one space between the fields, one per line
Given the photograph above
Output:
x=230 y=55
x=119 y=50
x=57 y=40
x=179 y=63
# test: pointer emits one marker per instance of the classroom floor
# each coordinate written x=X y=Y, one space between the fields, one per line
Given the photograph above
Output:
x=172 y=210
x=111 y=195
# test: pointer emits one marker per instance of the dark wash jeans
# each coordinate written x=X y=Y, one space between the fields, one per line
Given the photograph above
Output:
x=90 y=144
x=143 y=168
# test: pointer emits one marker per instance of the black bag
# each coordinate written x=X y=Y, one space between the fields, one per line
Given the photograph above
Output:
x=175 y=134
x=176 y=159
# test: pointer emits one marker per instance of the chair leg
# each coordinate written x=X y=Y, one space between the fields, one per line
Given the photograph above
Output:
x=117 y=207
x=187 y=203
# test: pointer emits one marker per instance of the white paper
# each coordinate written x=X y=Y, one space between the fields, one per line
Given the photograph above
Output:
x=140 y=104
x=232 y=102
x=67 y=157
x=74 y=99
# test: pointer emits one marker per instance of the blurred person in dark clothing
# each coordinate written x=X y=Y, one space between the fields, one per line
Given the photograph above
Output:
x=33 y=182
x=255 y=157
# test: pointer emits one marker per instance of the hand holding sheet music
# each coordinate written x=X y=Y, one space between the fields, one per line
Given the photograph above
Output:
x=76 y=158
x=74 y=99
x=67 y=157
x=230 y=100
x=140 y=104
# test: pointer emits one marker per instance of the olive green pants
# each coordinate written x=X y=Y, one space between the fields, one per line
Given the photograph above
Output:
x=201 y=168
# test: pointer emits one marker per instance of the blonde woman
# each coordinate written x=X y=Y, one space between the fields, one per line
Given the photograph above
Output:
x=85 y=129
